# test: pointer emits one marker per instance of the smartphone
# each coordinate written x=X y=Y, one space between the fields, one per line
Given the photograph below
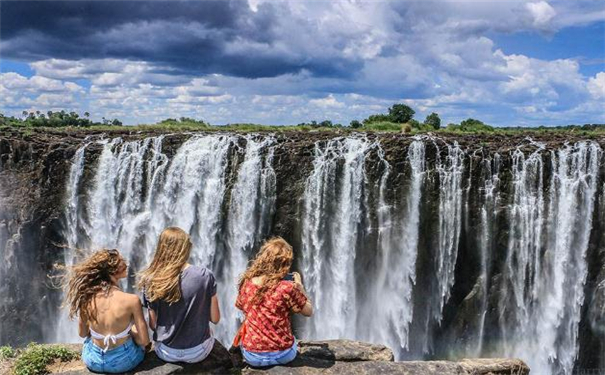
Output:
x=289 y=277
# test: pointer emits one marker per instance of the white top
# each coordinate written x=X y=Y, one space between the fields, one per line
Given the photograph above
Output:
x=113 y=338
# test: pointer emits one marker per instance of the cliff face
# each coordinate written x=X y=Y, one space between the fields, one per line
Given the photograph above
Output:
x=456 y=246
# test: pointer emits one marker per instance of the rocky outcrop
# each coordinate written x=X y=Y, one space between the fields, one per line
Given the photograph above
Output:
x=339 y=357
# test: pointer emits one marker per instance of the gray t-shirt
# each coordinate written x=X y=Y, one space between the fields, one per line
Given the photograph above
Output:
x=185 y=323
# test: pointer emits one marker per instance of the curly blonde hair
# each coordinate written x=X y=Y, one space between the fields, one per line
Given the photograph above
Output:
x=87 y=279
x=273 y=261
x=161 y=280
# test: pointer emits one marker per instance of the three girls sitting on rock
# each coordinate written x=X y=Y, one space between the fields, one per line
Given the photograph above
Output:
x=181 y=301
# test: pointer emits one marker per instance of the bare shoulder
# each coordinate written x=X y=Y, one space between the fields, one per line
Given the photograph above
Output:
x=130 y=299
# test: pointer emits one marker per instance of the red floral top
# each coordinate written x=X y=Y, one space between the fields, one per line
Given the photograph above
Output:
x=268 y=322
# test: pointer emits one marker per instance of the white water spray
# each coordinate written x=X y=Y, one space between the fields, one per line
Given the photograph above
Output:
x=333 y=201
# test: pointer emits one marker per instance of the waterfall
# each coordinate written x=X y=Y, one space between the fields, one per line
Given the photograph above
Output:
x=66 y=330
x=249 y=219
x=362 y=213
x=490 y=201
x=397 y=244
x=4 y=235
x=450 y=172
x=546 y=266
x=332 y=214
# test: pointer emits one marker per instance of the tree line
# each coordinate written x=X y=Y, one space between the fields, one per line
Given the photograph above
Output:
x=402 y=116
x=399 y=117
x=55 y=120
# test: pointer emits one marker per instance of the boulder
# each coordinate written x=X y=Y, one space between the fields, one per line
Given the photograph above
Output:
x=337 y=357
x=345 y=350
x=311 y=366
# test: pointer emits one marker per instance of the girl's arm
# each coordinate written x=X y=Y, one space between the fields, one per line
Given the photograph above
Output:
x=307 y=309
x=215 y=312
x=152 y=319
x=139 y=334
x=83 y=330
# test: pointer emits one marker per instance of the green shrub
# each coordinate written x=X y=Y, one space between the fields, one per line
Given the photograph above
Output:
x=6 y=352
x=472 y=125
x=35 y=359
x=355 y=124
x=401 y=113
x=377 y=118
x=433 y=121
x=383 y=126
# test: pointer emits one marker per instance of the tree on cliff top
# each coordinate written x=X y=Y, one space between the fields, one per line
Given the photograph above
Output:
x=472 y=124
x=401 y=113
x=398 y=114
x=433 y=121
x=355 y=124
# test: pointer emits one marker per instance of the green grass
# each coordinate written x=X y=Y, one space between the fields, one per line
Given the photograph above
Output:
x=6 y=352
x=35 y=358
x=382 y=126
x=179 y=127
x=182 y=127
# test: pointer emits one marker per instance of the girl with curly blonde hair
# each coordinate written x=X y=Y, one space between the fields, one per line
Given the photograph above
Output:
x=181 y=300
x=268 y=294
x=94 y=296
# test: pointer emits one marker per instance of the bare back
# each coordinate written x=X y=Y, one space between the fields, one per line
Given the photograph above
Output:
x=114 y=313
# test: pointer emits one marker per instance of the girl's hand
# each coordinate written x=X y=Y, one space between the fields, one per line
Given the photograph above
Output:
x=297 y=278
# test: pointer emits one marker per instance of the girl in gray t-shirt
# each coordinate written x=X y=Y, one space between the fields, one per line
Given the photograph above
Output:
x=181 y=299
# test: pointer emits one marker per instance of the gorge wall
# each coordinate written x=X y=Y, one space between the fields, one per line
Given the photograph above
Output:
x=439 y=247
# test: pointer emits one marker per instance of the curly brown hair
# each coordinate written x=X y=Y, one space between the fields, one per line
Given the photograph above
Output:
x=273 y=261
x=161 y=279
x=87 y=279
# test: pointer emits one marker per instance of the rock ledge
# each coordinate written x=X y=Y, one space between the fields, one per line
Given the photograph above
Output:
x=337 y=357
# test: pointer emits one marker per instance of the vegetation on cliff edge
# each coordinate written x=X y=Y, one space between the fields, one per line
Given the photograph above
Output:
x=400 y=118
x=35 y=358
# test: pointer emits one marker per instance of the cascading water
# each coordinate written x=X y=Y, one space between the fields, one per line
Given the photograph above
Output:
x=546 y=263
x=450 y=172
x=3 y=245
x=398 y=248
x=488 y=213
x=333 y=201
x=381 y=233
x=249 y=219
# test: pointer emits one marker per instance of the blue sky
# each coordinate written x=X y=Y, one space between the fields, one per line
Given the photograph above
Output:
x=505 y=62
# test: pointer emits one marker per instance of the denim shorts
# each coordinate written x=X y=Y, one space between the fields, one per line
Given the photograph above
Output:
x=262 y=359
x=119 y=359
x=191 y=355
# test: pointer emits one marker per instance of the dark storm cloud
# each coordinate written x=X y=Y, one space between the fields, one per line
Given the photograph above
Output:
x=187 y=37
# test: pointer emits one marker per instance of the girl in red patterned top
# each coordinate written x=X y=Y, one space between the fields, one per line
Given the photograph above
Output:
x=267 y=300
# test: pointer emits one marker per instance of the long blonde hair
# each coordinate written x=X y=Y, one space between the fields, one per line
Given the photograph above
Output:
x=87 y=279
x=273 y=261
x=161 y=280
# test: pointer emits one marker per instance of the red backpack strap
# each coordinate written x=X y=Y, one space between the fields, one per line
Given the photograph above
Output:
x=239 y=336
